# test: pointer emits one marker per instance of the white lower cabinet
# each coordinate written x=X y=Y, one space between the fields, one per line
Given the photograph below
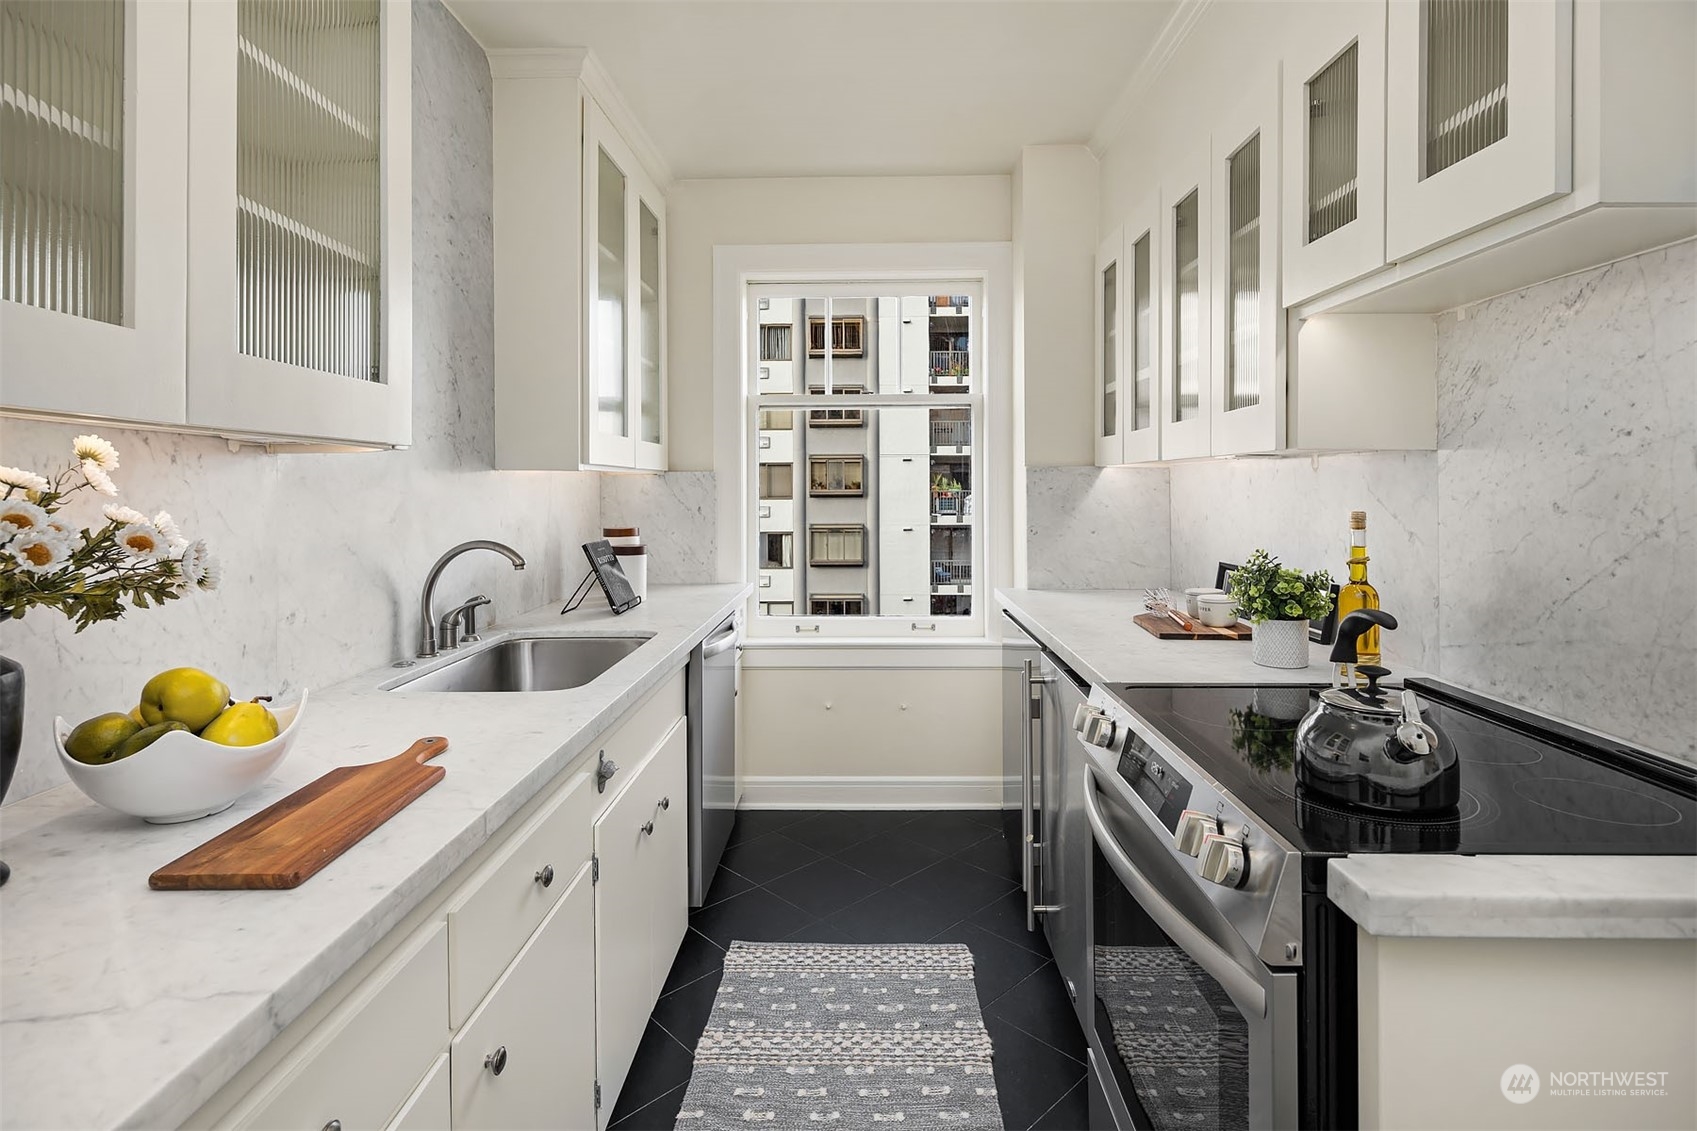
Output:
x=641 y=905
x=516 y=995
x=429 y=1108
x=525 y=1059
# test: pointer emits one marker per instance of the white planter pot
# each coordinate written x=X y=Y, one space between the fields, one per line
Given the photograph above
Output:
x=1281 y=644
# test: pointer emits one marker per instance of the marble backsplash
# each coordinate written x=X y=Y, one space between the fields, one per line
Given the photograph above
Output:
x=1097 y=528
x=324 y=554
x=677 y=512
x=1567 y=497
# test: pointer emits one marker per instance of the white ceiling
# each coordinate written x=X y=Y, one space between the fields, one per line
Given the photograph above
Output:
x=768 y=88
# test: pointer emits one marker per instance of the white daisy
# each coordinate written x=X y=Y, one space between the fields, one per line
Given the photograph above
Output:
x=122 y=515
x=97 y=478
x=18 y=477
x=19 y=516
x=173 y=534
x=92 y=449
x=39 y=552
x=200 y=568
x=140 y=540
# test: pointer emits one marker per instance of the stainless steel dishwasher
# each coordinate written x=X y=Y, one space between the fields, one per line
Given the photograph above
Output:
x=713 y=794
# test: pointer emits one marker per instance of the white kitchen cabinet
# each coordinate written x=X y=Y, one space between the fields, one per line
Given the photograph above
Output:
x=1187 y=230
x=526 y=1059
x=641 y=905
x=93 y=285
x=1333 y=109
x=273 y=142
x=1143 y=393
x=580 y=271
x=430 y=1107
x=300 y=220
x=1479 y=116
x=1110 y=350
x=1247 y=398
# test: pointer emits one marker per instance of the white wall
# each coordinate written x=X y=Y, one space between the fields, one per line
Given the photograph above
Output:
x=325 y=554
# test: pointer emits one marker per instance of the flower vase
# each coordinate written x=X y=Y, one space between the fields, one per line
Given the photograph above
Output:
x=11 y=730
x=1281 y=644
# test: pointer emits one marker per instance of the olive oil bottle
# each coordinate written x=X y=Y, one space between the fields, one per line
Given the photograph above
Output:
x=1358 y=592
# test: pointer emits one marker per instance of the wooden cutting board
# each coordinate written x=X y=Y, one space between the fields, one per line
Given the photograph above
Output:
x=285 y=844
x=1165 y=629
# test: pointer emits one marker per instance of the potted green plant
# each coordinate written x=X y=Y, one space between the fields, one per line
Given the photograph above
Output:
x=1279 y=602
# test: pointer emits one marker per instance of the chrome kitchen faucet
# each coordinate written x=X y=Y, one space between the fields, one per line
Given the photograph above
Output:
x=427 y=621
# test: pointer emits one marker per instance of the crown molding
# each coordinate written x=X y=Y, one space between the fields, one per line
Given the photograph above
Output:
x=1160 y=54
x=581 y=64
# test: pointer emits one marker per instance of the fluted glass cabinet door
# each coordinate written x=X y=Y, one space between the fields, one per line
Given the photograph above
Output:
x=1248 y=325
x=93 y=166
x=624 y=239
x=1479 y=117
x=300 y=202
x=1186 y=285
x=1110 y=352
x=1333 y=95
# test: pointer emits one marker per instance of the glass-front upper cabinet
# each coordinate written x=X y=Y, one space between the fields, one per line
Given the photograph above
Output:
x=1186 y=277
x=300 y=230
x=624 y=273
x=1110 y=352
x=1248 y=401
x=1333 y=98
x=1479 y=120
x=93 y=169
x=1141 y=349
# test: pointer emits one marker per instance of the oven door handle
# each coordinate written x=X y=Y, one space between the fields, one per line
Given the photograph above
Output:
x=1245 y=990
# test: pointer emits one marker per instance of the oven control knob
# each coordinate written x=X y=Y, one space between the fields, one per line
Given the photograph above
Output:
x=1193 y=825
x=1098 y=729
x=1081 y=715
x=1224 y=860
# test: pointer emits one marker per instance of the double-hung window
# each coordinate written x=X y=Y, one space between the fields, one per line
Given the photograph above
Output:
x=880 y=492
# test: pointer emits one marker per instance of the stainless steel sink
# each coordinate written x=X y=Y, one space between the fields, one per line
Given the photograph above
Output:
x=528 y=663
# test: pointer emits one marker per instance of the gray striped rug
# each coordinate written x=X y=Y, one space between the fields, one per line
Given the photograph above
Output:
x=843 y=1036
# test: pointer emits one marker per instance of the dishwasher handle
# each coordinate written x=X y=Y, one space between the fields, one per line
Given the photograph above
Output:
x=1245 y=990
x=724 y=641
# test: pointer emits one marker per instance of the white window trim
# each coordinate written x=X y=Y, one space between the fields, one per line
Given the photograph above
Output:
x=990 y=267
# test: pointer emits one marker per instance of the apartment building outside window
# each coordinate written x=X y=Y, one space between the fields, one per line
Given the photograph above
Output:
x=888 y=518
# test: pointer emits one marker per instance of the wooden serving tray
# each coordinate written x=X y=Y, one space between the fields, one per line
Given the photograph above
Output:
x=1164 y=628
x=285 y=844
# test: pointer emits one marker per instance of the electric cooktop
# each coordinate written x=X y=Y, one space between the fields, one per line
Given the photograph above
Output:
x=1528 y=785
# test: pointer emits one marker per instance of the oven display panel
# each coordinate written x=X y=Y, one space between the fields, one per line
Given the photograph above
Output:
x=1152 y=778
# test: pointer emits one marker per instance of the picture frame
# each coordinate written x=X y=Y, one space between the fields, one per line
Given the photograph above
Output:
x=1319 y=632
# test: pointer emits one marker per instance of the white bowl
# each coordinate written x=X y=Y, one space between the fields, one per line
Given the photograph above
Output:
x=181 y=776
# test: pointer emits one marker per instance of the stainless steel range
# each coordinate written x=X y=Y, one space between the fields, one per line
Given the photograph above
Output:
x=1223 y=980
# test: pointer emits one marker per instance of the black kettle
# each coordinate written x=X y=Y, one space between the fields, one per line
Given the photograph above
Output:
x=1368 y=747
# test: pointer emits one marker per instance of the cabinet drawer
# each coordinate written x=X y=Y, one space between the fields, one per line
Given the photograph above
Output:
x=360 y=1066
x=535 y=1027
x=502 y=904
x=638 y=733
x=427 y=1109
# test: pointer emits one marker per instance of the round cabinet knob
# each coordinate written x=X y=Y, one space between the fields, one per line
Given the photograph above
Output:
x=496 y=1061
x=1224 y=860
x=546 y=875
x=648 y=828
x=1193 y=825
x=665 y=803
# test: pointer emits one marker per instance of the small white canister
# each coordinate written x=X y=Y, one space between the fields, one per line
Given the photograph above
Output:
x=1191 y=596
x=634 y=561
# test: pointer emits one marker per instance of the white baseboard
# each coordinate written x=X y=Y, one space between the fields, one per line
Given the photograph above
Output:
x=842 y=792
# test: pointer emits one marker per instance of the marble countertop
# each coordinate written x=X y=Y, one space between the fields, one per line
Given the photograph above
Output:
x=1518 y=897
x=122 y=1006
x=1092 y=632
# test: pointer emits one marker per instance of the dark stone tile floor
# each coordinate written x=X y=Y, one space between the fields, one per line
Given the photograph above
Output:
x=874 y=877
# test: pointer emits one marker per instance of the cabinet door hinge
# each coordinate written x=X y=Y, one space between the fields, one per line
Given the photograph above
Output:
x=597 y=1095
x=594 y=875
